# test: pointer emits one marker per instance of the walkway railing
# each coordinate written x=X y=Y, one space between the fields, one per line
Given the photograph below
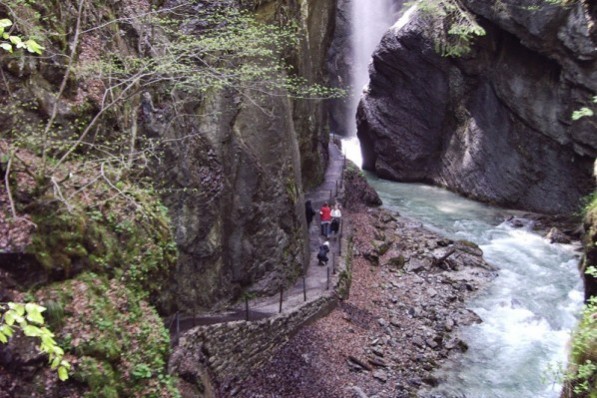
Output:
x=178 y=324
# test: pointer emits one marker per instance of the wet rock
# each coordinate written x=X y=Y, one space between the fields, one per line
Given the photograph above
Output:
x=418 y=341
x=431 y=343
x=556 y=236
x=449 y=324
x=372 y=256
x=485 y=136
x=456 y=344
x=381 y=247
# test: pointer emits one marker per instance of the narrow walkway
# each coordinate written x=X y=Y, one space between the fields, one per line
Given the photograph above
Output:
x=316 y=277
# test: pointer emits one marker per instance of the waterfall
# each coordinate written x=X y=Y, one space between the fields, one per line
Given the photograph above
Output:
x=370 y=19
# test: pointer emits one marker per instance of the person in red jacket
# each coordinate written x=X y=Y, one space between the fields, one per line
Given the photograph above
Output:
x=325 y=215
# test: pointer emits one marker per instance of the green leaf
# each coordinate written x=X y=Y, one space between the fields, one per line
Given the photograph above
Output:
x=9 y=318
x=6 y=47
x=34 y=313
x=18 y=308
x=16 y=40
x=33 y=47
x=6 y=330
x=3 y=338
x=31 y=331
x=62 y=373
x=582 y=112
x=5 y=23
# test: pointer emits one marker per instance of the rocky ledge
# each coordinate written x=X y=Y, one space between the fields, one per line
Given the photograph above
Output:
x=406 y=304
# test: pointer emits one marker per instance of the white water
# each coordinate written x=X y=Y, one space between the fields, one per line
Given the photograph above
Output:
x=370 y=20
x=529 y=310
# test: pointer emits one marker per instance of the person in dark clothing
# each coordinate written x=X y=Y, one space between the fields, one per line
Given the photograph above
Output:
x=322 y=255
x=309 y=213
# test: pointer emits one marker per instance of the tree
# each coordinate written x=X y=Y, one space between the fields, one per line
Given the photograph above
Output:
x=457 y=28
x=182 y=54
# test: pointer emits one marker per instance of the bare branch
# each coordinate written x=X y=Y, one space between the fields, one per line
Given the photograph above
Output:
x=71 y=60
x=7 y=184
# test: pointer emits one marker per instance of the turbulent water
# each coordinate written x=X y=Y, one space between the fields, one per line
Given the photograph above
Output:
x=529 y=310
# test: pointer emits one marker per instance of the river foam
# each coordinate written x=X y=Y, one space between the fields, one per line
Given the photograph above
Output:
x=528 y=312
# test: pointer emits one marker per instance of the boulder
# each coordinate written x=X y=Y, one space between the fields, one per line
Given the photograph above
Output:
x=495 y=124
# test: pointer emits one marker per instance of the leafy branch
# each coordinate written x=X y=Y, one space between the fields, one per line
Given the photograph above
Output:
x=584 y=111
x=29 y=320
x=10 y=42
x=458 y=27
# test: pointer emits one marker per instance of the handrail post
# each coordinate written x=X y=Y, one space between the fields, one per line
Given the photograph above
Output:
x=333 y=264
x=304 y=287
x=177 y=326
x=246 y=307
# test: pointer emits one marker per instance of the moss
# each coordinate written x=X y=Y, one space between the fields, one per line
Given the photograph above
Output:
x=397 y=262
x=468 y=243
x=345 y=276
x=136 y=246
x=99 y=376
x=120 y=340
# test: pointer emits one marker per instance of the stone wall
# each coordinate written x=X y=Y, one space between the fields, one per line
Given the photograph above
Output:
x=212 y=361
x=229 y=352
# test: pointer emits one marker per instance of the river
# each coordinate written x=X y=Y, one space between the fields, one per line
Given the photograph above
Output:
x=529 y=310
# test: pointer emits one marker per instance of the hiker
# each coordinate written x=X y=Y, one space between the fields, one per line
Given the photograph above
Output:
x=322 y=255
x=309 y=213
x=325 y=215
x=336 y=217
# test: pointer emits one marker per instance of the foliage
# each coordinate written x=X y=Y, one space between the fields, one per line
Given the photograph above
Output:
x=584 y=111
x=590 y=204
x=120 y=340
x=582 y=372
x=27 y=318
x=93 y=224
x=186 y=54
x=127 y=237
x=8 y=41
x=459 y=27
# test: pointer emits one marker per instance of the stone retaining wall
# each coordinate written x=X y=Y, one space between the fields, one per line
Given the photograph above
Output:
x=212 y=361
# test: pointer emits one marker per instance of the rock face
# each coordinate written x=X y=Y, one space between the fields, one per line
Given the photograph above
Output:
x=236 y=187
x=229 y=165
x=494 y=124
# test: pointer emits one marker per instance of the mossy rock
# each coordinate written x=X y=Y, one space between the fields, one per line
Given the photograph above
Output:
x=397 y=262
x=120 y=340
x=382 y=247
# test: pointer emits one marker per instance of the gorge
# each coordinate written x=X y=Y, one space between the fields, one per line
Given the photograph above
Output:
x=157 y=155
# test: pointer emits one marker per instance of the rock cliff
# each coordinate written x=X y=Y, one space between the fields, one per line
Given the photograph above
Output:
x=238 y=204
x=494 y=124
x=229 y=163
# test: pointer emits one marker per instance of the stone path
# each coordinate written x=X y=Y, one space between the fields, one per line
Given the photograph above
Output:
x=316 y=277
